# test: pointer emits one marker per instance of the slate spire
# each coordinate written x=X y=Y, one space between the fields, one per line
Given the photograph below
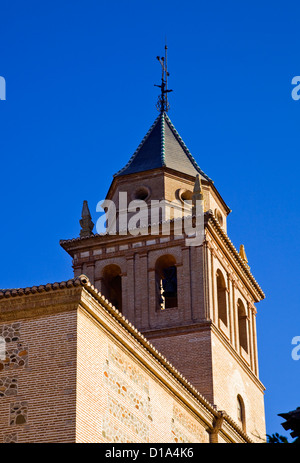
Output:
x=162 y=146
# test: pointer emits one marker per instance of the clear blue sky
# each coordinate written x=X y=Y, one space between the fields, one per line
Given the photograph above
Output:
x=80 y=81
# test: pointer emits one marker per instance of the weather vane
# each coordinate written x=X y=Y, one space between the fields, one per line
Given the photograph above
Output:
x=162 y=103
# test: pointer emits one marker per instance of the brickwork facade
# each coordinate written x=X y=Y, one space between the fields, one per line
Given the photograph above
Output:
x=187 y=332
x=76 y=366
x=90 y=376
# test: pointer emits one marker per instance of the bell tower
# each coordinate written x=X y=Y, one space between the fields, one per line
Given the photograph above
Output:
x=194 y=302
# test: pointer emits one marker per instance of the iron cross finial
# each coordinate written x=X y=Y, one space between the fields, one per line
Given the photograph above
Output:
x=162 y=103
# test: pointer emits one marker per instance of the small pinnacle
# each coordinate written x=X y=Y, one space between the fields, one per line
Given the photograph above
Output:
x=197 y=188
x=86 y=221
x=242 y=253
x=197 y=193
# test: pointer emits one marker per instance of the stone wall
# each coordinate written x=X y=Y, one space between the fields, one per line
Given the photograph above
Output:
x=233 y=379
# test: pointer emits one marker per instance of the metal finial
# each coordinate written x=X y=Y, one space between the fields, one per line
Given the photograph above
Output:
x=162 y=103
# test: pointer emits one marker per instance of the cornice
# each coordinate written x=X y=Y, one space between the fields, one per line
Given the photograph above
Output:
x=178 y=330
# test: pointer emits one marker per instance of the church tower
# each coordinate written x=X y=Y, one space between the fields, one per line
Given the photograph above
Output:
x=194 y=302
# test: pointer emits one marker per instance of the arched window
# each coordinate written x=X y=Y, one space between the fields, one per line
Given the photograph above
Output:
x=242 y=325
x=112 y=285
x=166 y=282
x=221 y=296
x=241 y=412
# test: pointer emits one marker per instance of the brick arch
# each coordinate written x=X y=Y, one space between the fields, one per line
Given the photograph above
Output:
x=112 y=284
x=242 y=325
x=166 y=260
x=110 y=260
x=173 y=251
x=166 y=281
x=221 y=297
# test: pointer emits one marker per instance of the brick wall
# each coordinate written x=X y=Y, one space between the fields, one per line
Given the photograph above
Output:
x=120 y=401
x=191 y=354
x=38 y=378
x=231 y=379
x=76 y=370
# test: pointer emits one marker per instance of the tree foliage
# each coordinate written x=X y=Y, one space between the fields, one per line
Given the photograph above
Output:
x=276 y=439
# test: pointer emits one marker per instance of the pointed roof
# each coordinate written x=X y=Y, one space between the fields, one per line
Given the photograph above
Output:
x=162 y=146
